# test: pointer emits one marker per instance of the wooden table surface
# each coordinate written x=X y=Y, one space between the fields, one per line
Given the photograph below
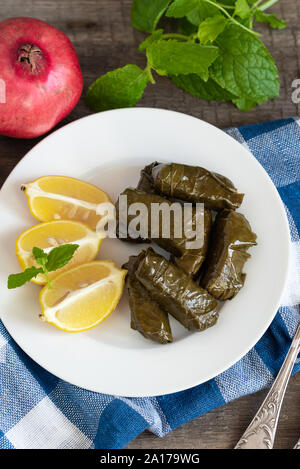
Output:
x=104 y=40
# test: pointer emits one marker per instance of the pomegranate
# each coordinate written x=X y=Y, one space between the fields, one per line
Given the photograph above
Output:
x=40 y=77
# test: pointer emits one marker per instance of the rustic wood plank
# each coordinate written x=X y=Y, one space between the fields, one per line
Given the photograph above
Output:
x=104 y=40
x=222 y=428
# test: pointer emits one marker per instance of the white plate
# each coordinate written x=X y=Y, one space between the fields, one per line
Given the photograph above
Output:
x=109 y=149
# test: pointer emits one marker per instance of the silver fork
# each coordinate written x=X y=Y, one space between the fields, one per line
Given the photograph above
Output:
x=261 y=432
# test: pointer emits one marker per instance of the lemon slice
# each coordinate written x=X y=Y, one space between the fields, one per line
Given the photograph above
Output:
x=56 y=233
x=83 y=297
x=64 y=198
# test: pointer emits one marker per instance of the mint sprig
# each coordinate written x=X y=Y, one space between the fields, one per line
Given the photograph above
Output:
x=56 y=259
x=215 y=54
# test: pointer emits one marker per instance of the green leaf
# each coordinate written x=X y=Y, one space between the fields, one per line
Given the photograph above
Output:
x=181 y=58
x=245 y=104
x=145 y=14
x=181 y=8
x=244 y=66
x=120 y=88
x=203 y=11
x=230 y=2
x=17 y=280
x=40 y=256
x=211 y=28
x=242 y=9
x=60 y=256
x=185 y=27
x=209 y=90
x=271 y=19
x=157 y=34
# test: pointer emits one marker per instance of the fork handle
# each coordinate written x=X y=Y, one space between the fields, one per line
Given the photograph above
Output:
x=261 y=432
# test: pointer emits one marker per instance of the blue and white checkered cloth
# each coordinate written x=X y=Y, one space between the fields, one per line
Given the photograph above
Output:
x=38 y=410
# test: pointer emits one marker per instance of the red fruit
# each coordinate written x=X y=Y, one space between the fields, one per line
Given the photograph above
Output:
x=40 y=77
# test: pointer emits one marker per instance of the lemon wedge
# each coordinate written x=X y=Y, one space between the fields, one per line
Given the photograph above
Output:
x=56 y=233
x=83 y=297
x=64 y=198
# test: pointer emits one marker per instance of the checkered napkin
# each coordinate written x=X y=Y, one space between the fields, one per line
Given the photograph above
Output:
x=38 y=410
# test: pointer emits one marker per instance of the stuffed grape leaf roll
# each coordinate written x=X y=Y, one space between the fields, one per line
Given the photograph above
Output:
x=176 y=292
x=189 y=259
x=147 y=317
x=196 y=184
x=231 y=238
x=146 y=182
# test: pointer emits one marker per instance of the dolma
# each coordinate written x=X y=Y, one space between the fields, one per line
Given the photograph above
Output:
x=147 y=317
x=176 y=292
x=146 y=182
x=190 y=260
x=121 y=229
x=196 y=184
x=231 y=238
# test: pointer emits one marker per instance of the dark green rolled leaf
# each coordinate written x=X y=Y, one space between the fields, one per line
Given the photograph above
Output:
x=176 y=292
x=196 y=185
x=147 y=316
x=231 y=238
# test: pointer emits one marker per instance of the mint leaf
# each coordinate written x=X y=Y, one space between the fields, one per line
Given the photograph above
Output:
x=60 y=256
x=271 y=19
x=56 y=259
x=210 y=28
x=18 y=280
x=245 y=104
x=157 y=34
x=231 y=2
x=122 y=87
x=185 y=27
x=242 y=9
x=203 y=11
x=181 y=8
x=145 y=14
x=244 y=66
x=40 y=256
x=209 y=90
x=181 y=58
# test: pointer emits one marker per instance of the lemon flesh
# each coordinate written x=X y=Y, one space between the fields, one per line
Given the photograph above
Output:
x=84 y=296
x=49 y=235
x=64 y=198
